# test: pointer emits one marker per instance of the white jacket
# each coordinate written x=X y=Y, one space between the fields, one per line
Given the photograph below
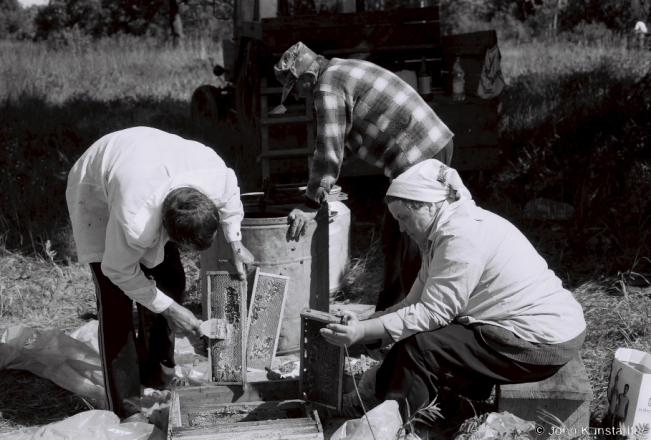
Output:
x=478 y=267
x=115 y=194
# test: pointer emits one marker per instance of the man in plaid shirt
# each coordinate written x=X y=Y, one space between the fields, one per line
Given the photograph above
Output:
x=381 y=119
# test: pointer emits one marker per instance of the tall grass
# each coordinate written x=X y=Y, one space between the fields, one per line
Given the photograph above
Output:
x=107 y=70
x=55 y=103
x=577 y=127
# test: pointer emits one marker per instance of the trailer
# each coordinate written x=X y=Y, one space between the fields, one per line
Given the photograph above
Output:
x=397 y=35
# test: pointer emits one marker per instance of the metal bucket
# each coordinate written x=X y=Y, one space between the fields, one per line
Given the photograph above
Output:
x=339 y=232
x=305 y=262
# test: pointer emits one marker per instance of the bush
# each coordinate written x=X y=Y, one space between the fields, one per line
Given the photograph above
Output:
x=588 y=34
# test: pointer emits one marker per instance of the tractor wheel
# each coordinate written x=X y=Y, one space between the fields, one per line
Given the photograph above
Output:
x=208 y=110
x=207 y=106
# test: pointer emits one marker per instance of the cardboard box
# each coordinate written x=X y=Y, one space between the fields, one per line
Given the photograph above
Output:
x=629 y=394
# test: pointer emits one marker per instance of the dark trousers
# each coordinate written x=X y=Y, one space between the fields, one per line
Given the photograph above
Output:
x=454 y=356
x=127 y=362
x=402 y=259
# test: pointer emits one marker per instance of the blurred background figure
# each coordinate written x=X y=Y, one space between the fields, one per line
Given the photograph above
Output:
x=640 y=35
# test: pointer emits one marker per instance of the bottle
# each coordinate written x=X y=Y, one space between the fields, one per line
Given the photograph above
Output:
x=458 y=83
x=424 y=81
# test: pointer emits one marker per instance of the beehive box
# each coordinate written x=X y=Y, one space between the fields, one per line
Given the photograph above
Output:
x=277 y=420
x=322 y=363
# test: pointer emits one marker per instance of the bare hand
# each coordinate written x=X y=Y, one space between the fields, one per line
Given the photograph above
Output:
x=181 y=320
x=345 y=334
x=241 y=258
x=299 y=218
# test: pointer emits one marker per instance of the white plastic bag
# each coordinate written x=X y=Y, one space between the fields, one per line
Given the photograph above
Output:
x=89 y=425
x=70 y=361
x=385 y=420
x=498 y=426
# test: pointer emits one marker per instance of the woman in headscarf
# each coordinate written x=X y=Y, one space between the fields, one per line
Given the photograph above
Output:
x=484 y=310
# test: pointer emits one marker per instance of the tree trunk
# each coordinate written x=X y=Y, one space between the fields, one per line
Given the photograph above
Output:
x=176 y=24
x=555 y=19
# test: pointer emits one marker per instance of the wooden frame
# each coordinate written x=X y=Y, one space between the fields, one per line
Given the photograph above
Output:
x=251 y=321
x=243 y=325
x=327 y=358
x=288 y=420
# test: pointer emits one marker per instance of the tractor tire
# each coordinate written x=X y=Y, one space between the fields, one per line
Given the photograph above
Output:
x=207 y=106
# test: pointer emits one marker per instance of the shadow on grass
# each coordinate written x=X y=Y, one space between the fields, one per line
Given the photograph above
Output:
x=585 y=139
x=28 y=400
x=40 y=142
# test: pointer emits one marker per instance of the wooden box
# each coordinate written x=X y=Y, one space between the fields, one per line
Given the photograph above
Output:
x=278 y=420
x=566 y=395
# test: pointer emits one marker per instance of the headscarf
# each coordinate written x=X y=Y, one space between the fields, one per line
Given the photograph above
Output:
x=430 y=181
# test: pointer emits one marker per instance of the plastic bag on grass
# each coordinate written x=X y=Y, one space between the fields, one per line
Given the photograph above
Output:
x=89 y=425
x=70 y=361
x=385 y=420
x=497 y=426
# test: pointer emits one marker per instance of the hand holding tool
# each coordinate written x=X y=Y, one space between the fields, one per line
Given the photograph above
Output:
x=215 y=328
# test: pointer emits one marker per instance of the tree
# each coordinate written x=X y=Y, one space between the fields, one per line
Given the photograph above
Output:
x=14 y=20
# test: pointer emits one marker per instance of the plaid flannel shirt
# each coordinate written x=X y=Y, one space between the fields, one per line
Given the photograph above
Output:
x=377 y=115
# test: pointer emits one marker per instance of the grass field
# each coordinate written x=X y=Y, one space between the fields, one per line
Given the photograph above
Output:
x=576 y=126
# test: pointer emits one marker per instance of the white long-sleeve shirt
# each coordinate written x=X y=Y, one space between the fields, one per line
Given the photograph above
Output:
x=115 y=195
x=478 y=267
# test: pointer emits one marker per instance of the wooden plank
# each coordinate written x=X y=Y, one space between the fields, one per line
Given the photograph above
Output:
x=291 y=166
x=251 y=426
x=245 y=421
x=361 y=39
x=280 y=430
x=256 y=391
x=571 y=383
x=367 y=48
x=174 y=415
x=258 y=410
x=357 y=19
x=257 y=436
x=473 y=43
